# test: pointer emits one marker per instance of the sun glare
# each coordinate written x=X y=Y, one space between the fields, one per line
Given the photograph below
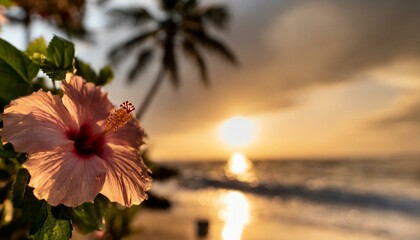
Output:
x=238 y=164
x=239 y=168
x=237 y=131
x=235 y=213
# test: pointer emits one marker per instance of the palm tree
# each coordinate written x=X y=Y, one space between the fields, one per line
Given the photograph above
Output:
x=183 y=24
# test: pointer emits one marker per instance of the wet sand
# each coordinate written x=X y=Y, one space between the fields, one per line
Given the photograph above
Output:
x=234 y=215
x=176 y=225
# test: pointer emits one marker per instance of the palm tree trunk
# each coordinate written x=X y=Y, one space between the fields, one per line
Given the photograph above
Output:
x=152 y=92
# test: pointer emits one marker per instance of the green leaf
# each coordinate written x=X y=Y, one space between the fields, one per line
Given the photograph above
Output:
x=60 y=58
x=16 y=72
x=34 y=212
x=40 y=83
x=105 y=75
x=20 y=63
x=4 y=192
x=19 y=188
x=61 y=53
x=53 y=228
x=6 y=3
x=60 y=212
x=88 y=217
x=52 y=71
x=85 y=70
x=22 y=158
x=8 y=146
x=4 y=175
x=7 y=153
x=12 y=85
x=43 y=224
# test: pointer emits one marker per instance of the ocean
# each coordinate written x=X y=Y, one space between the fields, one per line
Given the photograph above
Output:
x=361 y=199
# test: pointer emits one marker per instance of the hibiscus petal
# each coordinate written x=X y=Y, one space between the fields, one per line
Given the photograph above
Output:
x=85 y=100
x=127 y=178
x=39 y=116
x=61 y=177
x=130 y=134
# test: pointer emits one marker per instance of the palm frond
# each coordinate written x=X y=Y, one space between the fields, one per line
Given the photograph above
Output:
x=192 y=52
x=216 y=15
x=168 y=5
x=212 y=44
x=133 y=16
x=143 y=59
x=169 y=60
x=121 y=50
x=101 y=2
x=189 y=5
x=191 y=23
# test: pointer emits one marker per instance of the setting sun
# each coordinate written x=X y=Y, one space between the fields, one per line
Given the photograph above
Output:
x=237 y=131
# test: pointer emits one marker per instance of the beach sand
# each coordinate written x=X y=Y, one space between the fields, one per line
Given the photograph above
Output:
x=233 y=215
x=176 y=225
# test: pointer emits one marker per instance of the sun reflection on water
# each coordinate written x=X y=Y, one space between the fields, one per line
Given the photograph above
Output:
x=235 y=212
x=239 y=168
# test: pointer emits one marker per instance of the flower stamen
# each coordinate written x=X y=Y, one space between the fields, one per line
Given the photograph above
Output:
x=120 y=117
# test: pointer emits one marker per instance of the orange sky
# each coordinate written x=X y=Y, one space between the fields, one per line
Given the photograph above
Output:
x=319 y=78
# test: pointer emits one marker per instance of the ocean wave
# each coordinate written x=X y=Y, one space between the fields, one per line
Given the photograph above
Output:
x=327 y=195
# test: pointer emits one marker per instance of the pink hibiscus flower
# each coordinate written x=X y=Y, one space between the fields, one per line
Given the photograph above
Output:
x=78 y=146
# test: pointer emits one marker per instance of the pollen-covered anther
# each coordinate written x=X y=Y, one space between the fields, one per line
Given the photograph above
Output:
x=120 y=117
x=128 y=106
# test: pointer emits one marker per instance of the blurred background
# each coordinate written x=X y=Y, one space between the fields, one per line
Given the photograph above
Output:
x=281 y=119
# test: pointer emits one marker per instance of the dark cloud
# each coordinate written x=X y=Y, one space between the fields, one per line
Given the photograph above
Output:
x=400 y=127
x=285 y=46
x=410 y=115
x=333 y=41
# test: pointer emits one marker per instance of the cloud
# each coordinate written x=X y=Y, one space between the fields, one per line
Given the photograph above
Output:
x=289 y=46
x=334 y=41
x=408 y=115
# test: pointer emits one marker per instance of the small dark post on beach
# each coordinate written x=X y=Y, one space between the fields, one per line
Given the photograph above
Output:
x=202 y=228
